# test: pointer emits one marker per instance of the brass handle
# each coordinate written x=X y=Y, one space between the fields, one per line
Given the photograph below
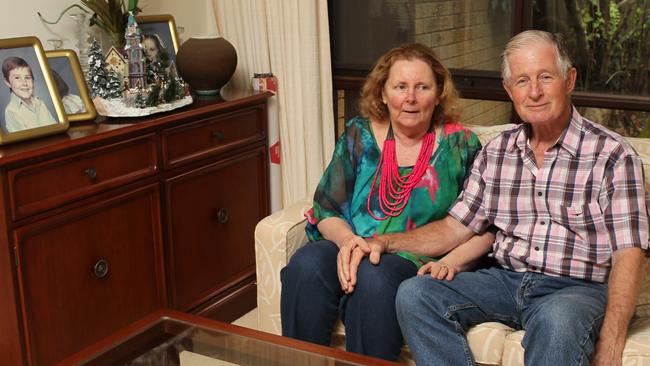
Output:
x=100 y=268
x=91 y=173
x=217 y=135
x=223 y=215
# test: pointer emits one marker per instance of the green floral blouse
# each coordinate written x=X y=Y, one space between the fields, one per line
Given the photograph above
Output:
x=343 y=190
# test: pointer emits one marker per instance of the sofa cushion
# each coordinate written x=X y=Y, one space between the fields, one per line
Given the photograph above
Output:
x=486 y=341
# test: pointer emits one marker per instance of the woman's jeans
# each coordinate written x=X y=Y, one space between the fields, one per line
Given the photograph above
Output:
x=312 y=299
x=561 y=316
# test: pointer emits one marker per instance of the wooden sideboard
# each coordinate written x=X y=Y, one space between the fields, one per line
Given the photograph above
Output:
x=114 y=219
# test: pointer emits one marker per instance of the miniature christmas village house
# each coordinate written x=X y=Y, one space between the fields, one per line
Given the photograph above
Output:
x=116 y=62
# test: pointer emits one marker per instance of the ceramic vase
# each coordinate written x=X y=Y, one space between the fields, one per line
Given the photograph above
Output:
x=206 y=63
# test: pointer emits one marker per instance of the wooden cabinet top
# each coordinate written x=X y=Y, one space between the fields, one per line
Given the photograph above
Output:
x=82 y=135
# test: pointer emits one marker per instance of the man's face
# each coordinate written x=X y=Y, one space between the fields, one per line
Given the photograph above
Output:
x=537 y=88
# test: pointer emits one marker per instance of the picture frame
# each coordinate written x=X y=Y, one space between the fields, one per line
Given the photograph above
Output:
x=71 y=85
x=32 y=107
x=159 y=32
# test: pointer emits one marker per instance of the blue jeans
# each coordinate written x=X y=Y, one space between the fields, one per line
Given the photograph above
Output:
x=312 y=299
x=561 y=316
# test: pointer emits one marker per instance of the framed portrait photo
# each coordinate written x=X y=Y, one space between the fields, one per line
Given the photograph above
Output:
x=30 y=105
x=159 y=37
x=70 y=83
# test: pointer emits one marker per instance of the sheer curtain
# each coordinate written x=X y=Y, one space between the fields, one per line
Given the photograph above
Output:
x=289 y=38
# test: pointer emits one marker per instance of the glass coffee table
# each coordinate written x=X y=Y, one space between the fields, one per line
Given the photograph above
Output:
x=168 y=337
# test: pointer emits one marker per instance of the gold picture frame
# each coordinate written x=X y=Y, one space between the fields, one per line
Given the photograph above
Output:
x=162 y=29
x=35 y=108
x=69 y=79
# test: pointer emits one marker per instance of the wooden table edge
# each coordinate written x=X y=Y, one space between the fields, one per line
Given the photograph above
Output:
x=148 y=321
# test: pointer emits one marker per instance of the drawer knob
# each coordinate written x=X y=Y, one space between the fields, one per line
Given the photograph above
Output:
x=217 y=135
x=101 y=268
x=91 y=173
x=223 y=215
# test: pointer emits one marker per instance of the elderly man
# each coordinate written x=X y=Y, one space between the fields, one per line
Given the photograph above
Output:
x=568 y=202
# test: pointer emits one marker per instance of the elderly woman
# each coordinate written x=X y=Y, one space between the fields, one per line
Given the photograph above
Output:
x=399 y=166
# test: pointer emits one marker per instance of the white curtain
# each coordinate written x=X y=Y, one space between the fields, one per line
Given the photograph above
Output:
x=289 y=38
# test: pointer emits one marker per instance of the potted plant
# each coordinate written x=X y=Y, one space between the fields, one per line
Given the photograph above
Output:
x=109 y=15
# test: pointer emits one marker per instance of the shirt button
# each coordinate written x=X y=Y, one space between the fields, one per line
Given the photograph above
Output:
x=534 y=268
x=536 y=248
x=539 y=194
x=543 y=222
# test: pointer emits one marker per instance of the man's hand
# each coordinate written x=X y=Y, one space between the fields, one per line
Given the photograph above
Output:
x=375 y=247
x=628 y=270
x=350 y=254
x=607 y=355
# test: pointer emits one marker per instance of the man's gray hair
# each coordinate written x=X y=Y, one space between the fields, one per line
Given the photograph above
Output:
x=528 y=38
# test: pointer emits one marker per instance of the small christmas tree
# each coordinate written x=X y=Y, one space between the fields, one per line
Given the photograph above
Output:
x=97 y=74
x=140 y=101
x=180 y=93
x=113 y=85
x=154 y=94
x=171 y=91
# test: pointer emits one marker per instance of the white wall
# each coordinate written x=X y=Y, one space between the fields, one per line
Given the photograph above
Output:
x=19 y=18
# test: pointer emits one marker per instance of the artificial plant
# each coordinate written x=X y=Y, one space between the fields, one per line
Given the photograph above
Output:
x=109 y=15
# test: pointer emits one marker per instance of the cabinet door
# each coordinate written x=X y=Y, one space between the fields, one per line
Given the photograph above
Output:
x=212 y=213
x=84 y=274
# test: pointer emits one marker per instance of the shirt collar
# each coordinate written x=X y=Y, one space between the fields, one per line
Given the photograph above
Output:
x=568 y=140
x=19 y=102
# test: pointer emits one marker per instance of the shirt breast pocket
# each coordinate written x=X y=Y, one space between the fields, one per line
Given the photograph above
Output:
x=585 y=223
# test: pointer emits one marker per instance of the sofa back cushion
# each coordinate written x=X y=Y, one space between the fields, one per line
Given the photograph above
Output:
x=642 y=147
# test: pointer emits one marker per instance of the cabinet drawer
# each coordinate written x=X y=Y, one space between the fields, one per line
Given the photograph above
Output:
x=86 y=273
x=41 y=186
x=211 y=222
x=213 y=135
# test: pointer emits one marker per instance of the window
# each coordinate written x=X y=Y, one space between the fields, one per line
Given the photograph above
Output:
x=610 y=49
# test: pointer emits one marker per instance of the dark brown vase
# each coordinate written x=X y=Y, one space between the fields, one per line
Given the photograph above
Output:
x=206 y=64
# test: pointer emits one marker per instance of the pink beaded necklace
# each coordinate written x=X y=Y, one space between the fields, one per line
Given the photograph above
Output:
x=394 y=190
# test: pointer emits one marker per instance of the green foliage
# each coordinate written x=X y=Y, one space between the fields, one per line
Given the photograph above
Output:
x=611 y=46
x=617 y=35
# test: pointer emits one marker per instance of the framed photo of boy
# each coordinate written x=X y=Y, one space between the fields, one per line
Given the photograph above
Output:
x=159 y=37
x=30 y=106
x=70 y=82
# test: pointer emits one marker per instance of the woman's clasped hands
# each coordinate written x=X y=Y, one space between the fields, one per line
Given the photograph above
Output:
x=351 y=252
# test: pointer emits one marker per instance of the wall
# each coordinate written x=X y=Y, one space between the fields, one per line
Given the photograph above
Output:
x=19 y=18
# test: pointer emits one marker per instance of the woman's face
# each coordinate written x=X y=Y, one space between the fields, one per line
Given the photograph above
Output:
x=410 y=93
x=21 y=82
x=150 y=49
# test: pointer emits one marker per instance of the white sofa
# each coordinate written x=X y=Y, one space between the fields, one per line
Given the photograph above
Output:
x=279 y=235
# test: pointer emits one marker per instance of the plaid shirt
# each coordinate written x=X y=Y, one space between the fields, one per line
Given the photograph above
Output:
x=566 y=217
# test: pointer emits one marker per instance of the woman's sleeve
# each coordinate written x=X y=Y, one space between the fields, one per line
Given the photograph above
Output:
x=334 y=192
x=468 y=154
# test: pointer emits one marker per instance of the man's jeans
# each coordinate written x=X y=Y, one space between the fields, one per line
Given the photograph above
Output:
x=561 y=316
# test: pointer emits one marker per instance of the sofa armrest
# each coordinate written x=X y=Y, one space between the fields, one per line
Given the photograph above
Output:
x=277 y=237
